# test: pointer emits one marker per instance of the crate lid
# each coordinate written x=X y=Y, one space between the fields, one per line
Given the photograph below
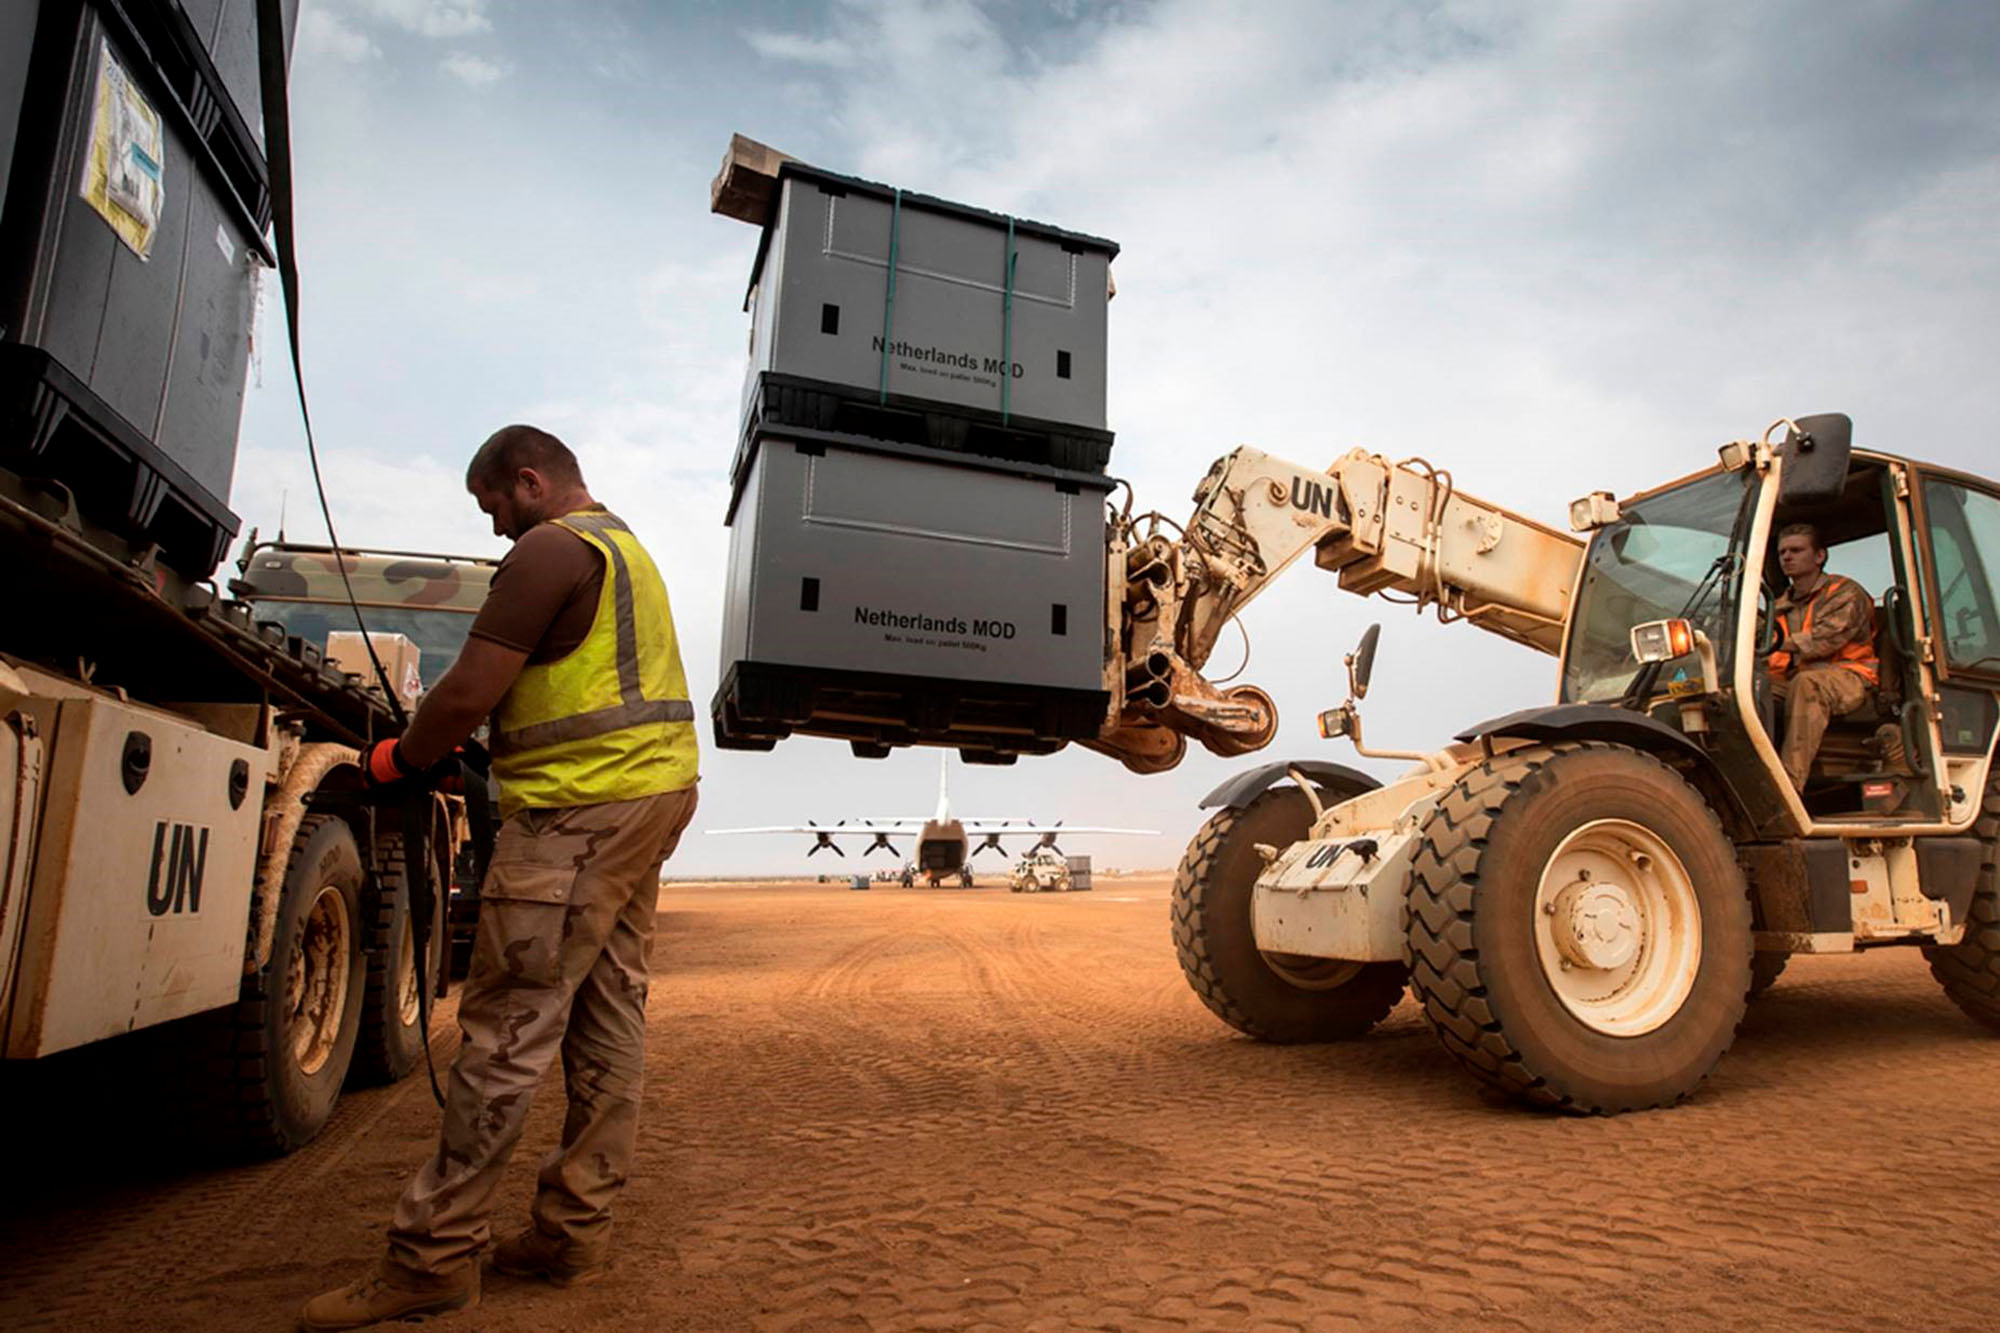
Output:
x=791 y=169
x=820 y=440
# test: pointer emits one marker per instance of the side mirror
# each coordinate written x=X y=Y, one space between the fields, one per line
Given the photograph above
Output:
x=1361 y=662
x=1335 y=723
x=1597 y=510
x=1816 y=453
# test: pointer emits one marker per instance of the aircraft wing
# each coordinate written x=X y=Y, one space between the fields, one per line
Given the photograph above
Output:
x=981 y=827
x=847 y=826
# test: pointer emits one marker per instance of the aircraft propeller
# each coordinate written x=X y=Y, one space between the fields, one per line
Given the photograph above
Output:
x=992 y=841
x=1049 y=839
x=823 y=841
x=882 y=841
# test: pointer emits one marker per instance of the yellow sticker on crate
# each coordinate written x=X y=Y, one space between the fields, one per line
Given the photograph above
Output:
x=124 y=174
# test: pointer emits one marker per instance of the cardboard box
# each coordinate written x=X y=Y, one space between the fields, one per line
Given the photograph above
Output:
x=399 y=658
x=747 y=185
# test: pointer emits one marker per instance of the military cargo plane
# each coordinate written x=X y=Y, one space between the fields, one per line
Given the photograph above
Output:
x=944 y=843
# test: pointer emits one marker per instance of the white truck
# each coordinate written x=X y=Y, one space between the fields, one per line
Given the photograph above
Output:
x=191 y=879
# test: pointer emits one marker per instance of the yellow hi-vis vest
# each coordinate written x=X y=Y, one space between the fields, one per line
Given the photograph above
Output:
x=610 y=721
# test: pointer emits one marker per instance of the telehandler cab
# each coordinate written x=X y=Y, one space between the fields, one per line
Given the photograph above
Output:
x=1584 y=895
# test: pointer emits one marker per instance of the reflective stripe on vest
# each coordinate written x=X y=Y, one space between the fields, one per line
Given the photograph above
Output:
x=611 y=720
x=1856 y=657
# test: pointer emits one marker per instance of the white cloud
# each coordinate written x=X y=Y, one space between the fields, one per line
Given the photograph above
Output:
x=323 y=32
x=432 y=18
x=474 y=71
x=829 y=52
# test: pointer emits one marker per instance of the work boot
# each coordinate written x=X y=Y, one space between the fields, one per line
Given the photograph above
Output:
x=390 y=1293
x=532 y=1252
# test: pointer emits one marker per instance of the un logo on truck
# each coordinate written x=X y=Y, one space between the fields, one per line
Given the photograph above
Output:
x=180 y=859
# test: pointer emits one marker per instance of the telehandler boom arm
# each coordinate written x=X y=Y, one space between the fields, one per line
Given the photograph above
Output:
x=1398 y=529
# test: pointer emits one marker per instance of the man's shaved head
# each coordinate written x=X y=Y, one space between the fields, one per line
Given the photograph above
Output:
x=523 y=476
x=512 y=448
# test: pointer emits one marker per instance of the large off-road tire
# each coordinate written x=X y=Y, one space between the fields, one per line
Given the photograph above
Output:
x=1765 y=969
x=1604 y=859
x=1969 y=971
x=283 y=1051
x=391 y=1039
x=1273 y=997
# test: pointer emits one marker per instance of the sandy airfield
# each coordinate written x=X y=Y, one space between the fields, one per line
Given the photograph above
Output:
x=918 y=1109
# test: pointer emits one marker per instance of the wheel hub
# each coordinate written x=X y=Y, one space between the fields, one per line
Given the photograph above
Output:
x=1618 y=927
x=1597 y=925
x=316 y=988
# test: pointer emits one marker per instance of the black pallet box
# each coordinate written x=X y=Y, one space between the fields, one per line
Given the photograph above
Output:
x=776 y=401
x=758 y=704
x=53 y=427
x=141 y=358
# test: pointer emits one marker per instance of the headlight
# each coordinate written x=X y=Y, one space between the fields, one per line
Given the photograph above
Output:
x=1662 y=640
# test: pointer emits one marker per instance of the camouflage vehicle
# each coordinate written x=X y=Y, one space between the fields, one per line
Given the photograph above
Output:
x=430 y=599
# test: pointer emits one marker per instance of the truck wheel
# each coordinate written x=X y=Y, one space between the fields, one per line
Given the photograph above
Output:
x=1271 y=996
x=1969 y=971
x=391 y=1038
x=290 y=1038
x=1765 y=969
x=1579 y=929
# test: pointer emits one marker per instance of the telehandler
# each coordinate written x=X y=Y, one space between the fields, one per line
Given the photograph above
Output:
x=1584 y=895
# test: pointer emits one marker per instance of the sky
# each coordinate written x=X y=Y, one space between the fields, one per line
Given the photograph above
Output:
x=1554 y=247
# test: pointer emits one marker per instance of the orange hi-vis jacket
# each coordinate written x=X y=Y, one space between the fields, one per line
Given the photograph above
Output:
x=1841 y=600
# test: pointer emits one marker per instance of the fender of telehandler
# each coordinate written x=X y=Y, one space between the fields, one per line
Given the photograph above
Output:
x=1549 y=723
x=1248 y=785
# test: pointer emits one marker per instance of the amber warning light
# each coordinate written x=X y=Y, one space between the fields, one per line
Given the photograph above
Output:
x=1662 y=640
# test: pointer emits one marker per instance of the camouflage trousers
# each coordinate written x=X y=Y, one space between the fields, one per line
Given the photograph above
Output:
x=559 y=967
x=1812 y=699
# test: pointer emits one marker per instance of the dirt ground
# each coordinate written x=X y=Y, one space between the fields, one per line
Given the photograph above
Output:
x=917 y=1109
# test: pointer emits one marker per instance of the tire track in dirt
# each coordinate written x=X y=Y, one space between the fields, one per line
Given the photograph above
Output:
x=131 y=1234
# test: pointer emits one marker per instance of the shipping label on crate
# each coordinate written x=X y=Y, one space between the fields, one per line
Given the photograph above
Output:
x=124 y=173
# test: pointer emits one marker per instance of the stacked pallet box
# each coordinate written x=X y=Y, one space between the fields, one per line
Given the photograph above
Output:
x=917 y=550
x=132 y=234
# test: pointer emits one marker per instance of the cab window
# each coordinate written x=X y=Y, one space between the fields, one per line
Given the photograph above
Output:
x=1964 y=531
x=1868 y=561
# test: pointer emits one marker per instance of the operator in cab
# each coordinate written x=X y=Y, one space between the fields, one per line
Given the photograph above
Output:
x=1824 y=663
x=574 y=656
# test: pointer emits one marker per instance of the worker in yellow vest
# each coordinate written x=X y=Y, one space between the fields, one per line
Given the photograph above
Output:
x=574 y=656
x=1824 y=663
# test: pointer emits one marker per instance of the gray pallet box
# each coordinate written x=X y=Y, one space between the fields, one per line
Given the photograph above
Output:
x=820 y=307
x=851 y=560
x=164 y=341
x=227 y=30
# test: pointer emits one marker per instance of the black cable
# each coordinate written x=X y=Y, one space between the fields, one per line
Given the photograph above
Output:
x=415 y=805
x=271 y=66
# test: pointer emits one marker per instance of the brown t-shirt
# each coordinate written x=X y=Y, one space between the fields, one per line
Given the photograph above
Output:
x=544 y=594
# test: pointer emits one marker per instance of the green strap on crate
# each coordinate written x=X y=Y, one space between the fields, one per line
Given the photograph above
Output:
x=889 y=299
x=1007 y=328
